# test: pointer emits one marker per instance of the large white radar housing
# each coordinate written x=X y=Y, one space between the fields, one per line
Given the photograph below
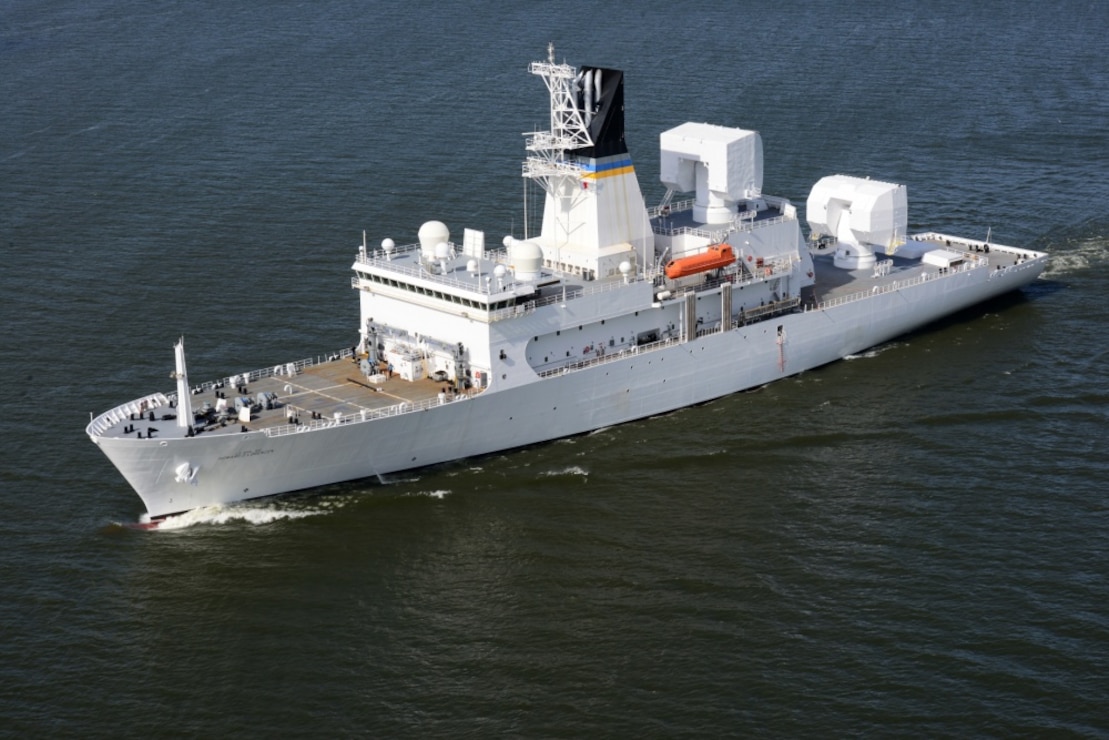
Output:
x=723 y=165
x=862 y=215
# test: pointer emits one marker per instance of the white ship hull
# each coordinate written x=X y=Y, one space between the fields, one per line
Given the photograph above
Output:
x=625 y=388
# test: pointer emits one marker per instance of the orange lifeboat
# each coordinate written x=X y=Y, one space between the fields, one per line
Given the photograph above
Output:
x=717 y=255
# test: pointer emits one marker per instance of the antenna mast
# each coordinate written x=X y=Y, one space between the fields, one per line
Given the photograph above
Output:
x=569 y=129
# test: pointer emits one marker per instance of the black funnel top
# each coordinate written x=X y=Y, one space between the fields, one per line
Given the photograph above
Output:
x=607 y=127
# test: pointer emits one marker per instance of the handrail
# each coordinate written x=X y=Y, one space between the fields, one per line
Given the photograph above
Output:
x=898 y=285
x=734 y=227
x=774 y=308
x=590 y=288
x=405 y=407
x=747 y=317
x=471 y=285
x=105 y=421
x=499 y=314
x=666 y=210
x=110 y=418
x=269 y=372
x=608 y=357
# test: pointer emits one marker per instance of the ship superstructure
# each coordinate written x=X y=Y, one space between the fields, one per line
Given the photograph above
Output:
x=614 y=311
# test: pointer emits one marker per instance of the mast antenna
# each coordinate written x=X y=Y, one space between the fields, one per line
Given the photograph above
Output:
x=547 y=162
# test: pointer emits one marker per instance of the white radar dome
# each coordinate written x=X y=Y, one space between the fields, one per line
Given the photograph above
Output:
x=527 y=258
x=431 y=233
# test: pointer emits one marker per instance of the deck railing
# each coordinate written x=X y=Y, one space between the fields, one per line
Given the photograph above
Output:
x=748 y=316
x=675 y=207
x=287 y=369
x=898 y=285
x=739 y=226
x=124 y=412
x=405 y=407
x=417 y=270
x=607 y=357
x=110 y=418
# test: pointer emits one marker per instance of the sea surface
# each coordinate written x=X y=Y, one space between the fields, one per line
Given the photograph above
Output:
x=909 y=543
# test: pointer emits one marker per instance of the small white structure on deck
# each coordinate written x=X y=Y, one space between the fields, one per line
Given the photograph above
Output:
x=942 y=258
x=862 y=214
x=406 y=362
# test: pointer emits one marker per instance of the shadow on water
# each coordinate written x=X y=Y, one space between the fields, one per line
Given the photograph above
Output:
x=1036 y=291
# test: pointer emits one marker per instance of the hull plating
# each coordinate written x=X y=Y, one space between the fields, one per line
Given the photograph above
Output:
x=638 y=385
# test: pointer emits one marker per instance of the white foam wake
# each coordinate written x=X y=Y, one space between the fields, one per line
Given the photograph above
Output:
x=1086 y=253
x=439 y=493
x=256 y=514
x=571 y=470
x=872 y=352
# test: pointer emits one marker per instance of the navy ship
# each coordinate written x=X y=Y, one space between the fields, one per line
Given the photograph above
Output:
x=611 y=310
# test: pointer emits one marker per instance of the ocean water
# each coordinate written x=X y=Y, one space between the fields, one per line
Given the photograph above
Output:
x=911 y=542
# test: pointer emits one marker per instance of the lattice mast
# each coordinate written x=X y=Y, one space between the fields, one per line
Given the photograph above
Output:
x=569 y=126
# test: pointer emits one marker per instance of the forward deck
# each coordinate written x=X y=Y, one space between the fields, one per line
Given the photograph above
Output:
x=320 y=392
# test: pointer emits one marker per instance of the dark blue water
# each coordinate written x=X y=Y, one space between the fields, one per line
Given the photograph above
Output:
x=909 y=543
